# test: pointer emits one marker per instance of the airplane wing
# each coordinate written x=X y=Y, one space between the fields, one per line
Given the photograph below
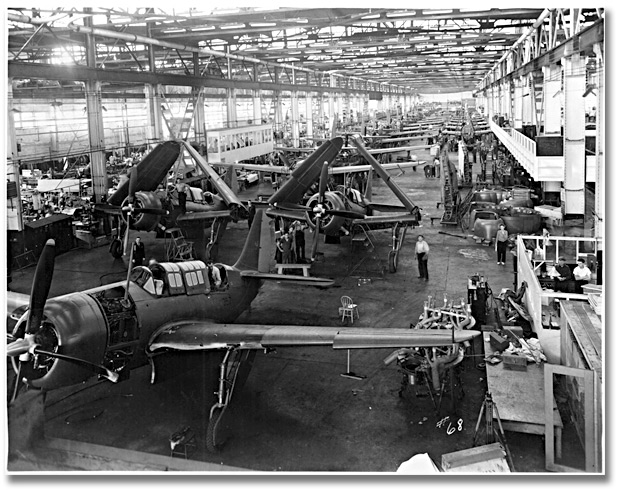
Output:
x=387 y=219
x=287 y=213
x=378 y=151
x=292 y=149
x=288 y=279
x=254 y=167
x=202 y=215
x=197 y=336
x=349 y=169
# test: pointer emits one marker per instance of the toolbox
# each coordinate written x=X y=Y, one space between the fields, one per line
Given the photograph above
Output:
x=498 y=343
x=514 y=363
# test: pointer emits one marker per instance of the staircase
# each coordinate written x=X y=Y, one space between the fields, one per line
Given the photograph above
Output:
x=450 y=194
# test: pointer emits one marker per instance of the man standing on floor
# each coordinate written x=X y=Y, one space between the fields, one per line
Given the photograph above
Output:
x=501 y=243
x=138 y=253
x=421 y=254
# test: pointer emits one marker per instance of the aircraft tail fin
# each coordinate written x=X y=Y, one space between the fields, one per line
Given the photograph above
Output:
x=257 y=251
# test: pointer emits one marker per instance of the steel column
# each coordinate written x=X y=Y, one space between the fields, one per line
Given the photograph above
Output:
x=574 y=135
x=96 y=134
x=14 y=210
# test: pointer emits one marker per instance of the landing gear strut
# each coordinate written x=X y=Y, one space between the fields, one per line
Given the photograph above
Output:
x=398 y=237
x=231 y=375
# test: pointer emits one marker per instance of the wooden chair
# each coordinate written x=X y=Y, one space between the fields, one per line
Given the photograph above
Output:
x=348 y=309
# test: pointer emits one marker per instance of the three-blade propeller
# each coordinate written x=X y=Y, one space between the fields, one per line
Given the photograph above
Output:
x=130 y=210
x=320 y=209
x=24 y=347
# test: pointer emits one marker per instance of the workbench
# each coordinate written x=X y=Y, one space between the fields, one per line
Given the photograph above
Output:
x=520 y=399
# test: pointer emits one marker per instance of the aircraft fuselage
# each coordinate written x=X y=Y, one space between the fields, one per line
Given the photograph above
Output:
x=99 y=326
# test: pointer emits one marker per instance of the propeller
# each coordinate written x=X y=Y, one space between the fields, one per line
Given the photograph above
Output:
x=130 y=211
x=41 y=287
x=24 y=347
x=319 y=209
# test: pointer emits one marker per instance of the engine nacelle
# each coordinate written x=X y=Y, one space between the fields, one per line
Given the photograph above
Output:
x=145 y=222
x=330 y=225
x=74 y=326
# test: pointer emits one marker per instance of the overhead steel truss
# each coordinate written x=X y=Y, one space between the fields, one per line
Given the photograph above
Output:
x=393 y=51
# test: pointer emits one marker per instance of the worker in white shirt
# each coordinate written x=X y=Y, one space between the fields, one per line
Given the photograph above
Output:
x=421 y=254
x=582 y=275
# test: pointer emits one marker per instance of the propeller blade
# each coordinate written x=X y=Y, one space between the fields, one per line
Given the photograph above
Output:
x=17 y=348
x=133 y=183
x=126 y=239
x=345 y=214
x=161 y=212
x=100 y=370
x=323 y=181
x=315 y=238
x=41 y=286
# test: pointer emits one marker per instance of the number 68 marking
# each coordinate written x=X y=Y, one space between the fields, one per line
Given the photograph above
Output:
x=451 y=430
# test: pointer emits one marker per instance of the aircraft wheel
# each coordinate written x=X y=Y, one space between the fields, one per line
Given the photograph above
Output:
x=393 y=261
x=116 y=249
x=211 y=435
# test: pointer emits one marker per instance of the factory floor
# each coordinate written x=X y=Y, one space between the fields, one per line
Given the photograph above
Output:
x=296 y=412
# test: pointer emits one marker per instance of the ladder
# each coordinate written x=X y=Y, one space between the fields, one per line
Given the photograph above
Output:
x=361 y=235
x=179 y=127
x=178 y=249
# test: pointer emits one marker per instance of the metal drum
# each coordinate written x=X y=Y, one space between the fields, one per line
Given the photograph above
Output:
x=523 y=203
x=487 y=228
x=482 y=205
x=477 y=214
x=485 y=196
x=518 y=211
x=523 y=223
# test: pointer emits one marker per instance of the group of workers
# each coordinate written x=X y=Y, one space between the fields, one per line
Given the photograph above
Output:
x=291 y=245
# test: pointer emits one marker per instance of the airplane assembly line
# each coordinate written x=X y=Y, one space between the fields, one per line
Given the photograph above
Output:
x=253 y=241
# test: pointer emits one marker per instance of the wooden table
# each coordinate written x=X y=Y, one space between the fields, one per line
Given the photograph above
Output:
x=519 y=397
x=304 y=267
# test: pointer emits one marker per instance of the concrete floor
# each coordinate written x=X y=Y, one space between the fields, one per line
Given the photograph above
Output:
x=296 y=413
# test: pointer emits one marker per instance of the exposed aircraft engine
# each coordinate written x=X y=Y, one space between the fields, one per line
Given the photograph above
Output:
x=79 y=330
x=432 y=362
x=145 y=221
x=330 y=224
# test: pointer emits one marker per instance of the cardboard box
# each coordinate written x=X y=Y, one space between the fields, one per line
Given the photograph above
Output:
x=514 y=363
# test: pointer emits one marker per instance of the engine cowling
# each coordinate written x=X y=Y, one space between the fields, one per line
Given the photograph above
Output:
x=330 y=225
x=73 y=325
x=143 y=221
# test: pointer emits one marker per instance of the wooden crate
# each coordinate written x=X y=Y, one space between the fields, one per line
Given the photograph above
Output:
x=515 y=363
x=490 y=458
